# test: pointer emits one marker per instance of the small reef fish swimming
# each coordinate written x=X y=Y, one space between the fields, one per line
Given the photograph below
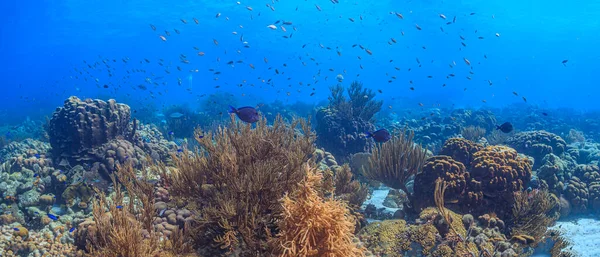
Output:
x=53 y=217
x=506 y=127
x=246 y=114
x=380 y=136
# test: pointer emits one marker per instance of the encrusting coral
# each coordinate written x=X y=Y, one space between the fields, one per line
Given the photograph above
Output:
x=314 y=226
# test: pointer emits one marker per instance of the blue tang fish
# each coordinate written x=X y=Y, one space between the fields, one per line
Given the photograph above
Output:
x=379 y=136
x=246 y=114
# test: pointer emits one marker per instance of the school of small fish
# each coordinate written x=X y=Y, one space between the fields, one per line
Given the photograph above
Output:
x=240 y=59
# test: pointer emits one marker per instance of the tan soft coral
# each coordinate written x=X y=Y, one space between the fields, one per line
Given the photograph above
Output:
x=236 y=182
x=313 y=226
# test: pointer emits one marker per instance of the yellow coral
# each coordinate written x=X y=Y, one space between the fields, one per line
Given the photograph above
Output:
x=387 y=237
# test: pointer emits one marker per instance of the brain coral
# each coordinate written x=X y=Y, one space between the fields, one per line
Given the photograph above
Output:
x=500 y=169
x=537 y=144
x=460 y=149
x=81 y=125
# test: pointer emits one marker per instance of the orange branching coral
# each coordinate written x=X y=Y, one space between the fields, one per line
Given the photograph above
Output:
x=446 y=168
x=236 y=180
x=395 y=161
x=313 y=226
x=460 y=149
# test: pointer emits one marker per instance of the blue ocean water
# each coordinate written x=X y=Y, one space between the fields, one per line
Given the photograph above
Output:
x=44 y=45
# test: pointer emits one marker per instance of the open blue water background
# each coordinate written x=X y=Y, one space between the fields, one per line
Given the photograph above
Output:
x=42 y=43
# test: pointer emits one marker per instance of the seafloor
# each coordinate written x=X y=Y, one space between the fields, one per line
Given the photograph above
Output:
x=98 y=179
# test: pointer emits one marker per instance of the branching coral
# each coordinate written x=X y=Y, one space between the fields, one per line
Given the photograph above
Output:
x=237 y=180
x=473 y=133
x=532 y=215
x=348 y=189
x=313 y=226
x=395 y=161
x=123 y=227
x=360 y=104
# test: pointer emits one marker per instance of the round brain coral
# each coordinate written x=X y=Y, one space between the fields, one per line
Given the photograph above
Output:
x=537 y=144
x=460 y=149
x=453 y=172
x=500 y=169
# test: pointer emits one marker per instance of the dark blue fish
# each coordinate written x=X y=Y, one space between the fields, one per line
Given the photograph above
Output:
x=119 y=206
x=71 y=230
x=506 y=127
x=53 y=217
x=37 y=155
x=379 y=136
x=246 y=114
x=171 y=133
x=35 y=175
x=179 y=150
x=15 y=229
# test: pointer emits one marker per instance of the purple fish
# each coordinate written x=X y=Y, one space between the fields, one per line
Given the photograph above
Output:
x=246 y=114
x=379 y=136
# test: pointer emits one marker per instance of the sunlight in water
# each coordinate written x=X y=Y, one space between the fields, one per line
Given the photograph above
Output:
x=190 y=81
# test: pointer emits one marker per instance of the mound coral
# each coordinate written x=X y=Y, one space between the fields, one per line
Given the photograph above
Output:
x=460 y=149
x=313 y=226
x=500 y=170
x=236 y=181
x=82 y=125
x=537 y=144
x=452 y=172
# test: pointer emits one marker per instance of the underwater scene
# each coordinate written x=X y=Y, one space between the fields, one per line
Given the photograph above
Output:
x=334 y=128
